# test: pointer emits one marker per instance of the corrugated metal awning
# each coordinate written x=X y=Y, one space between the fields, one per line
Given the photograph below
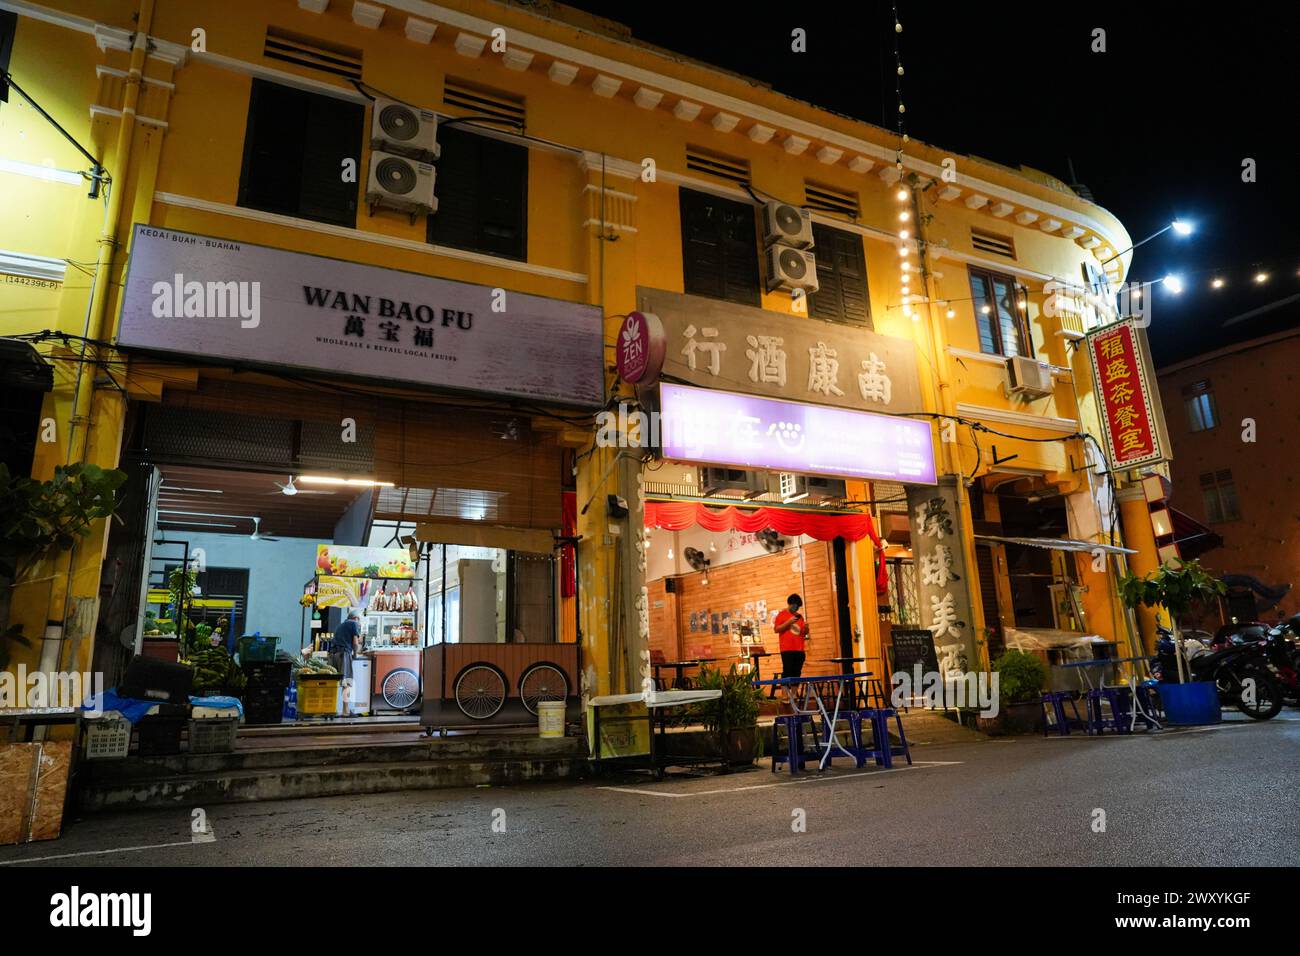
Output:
x=1057 y=544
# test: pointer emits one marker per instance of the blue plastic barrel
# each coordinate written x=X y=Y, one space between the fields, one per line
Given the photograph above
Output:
x=1190 y=704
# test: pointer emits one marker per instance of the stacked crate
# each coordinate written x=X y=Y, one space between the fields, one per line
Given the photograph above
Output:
x=264 y=692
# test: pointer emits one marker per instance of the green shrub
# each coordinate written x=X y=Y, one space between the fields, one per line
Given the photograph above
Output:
x=1021 y=676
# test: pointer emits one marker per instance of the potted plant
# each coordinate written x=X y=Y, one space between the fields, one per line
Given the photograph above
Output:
x=1021 y=678
x=733 y=720
x=1178 y=587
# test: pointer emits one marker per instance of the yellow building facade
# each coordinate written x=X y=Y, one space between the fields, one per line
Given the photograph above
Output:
x=619 y=141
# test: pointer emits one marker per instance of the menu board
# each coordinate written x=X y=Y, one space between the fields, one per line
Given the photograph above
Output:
x=912 y=648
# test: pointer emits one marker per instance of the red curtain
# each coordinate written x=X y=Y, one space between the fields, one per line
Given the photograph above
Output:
x=680 y=515
x=568 y=578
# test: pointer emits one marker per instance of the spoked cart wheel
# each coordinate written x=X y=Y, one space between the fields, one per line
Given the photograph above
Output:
x=542 y=682
x=401 y=688
x=480 y=692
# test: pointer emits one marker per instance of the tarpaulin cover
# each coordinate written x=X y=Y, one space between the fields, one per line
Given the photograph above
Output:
x=680 y=515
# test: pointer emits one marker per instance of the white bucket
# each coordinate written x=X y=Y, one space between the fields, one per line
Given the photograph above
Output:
x=550 y=718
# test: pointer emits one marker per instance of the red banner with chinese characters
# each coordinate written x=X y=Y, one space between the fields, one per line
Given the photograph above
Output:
x=1128 y=414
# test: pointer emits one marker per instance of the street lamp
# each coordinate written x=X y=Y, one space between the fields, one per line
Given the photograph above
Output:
x=1180 y=226
x=1173 y=283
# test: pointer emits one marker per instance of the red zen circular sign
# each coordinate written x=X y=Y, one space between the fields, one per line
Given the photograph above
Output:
x=641 y=348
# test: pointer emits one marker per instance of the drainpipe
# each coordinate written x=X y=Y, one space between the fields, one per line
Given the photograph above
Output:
x=98 y=318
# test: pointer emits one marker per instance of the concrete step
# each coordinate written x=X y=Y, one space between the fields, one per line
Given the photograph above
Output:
x=243 y=786
x=320 y=755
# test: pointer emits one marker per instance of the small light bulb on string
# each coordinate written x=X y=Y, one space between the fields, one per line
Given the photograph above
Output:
x=900 y=69
x=952 y=314
x=904 y=216
x=902 y=251
x=902 y=195
x=903 y=234
x=670 y=554
x=713 y=548
x=898 y=28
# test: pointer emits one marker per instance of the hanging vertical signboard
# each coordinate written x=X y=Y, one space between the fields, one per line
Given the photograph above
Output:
x=1131 y=415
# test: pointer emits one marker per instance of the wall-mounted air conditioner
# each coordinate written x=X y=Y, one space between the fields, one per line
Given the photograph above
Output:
x=1028 y=377
x=787 y=224
x=399 y=182
x=791 y=269
x=404 y=130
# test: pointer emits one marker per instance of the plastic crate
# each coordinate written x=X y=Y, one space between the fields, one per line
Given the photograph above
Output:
x=108 y=738
x=320 y=695
x=159 y=736
x=257 y=649
x=268 y=673
x=213 y=735
x=264 y=713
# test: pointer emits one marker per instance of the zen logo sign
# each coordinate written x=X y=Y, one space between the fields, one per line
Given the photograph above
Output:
x=76 y=909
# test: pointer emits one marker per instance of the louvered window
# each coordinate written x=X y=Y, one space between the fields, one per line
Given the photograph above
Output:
x=715 y=164
x=313 y=54
x=294 y=146
x=841 y=276
x=829 y=199
x=991 y=242
x=482 y=195
x=505 y=109
x=719 y=248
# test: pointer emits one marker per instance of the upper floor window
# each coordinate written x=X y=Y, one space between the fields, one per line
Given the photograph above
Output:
x=998 y=314
x=1219 y=493
x=1202 y=412
x=482 y=194
x=294 y=148
x=719 y=248
x=841 y=277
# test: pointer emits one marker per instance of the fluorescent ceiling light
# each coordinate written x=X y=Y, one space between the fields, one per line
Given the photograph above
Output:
x=353 y=482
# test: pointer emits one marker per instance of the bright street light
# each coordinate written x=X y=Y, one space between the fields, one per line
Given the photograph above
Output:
x=1182 y=227
x=1173 y=283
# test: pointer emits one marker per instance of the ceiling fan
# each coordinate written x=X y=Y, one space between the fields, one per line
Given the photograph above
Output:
x=257 y=532
x=291 y=489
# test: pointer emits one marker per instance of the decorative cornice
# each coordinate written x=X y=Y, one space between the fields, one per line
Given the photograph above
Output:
x=1049 y=423
x=32 y=267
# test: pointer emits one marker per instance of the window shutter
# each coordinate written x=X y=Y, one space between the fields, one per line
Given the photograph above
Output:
x=333 y=134
x=294 y=148
x=482 y=195
x=842 y=295
x=719 y=248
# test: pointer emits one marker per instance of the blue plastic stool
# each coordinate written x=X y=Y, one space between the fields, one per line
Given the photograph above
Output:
x=795 y=754
x=1056 y=718
x=1117 y=699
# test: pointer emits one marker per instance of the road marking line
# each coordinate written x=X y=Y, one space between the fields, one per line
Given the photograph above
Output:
x=68 y=856
x=205 y=836
x=918 y=765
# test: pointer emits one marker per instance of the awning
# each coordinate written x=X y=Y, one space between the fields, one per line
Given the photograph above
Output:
x=1057 y=544
x=23 y=366
x=680 y=515
x=1192 y=537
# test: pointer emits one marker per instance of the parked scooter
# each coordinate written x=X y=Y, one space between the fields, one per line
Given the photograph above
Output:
x=1241 y=672
x=1280 y=649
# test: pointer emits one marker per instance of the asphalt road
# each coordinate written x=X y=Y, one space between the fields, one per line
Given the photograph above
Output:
x=1225 y=795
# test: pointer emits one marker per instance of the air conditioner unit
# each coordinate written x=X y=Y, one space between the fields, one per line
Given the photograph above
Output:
x=716 y=480
x=788 y=224
x=404 y=130
x=1029 y=378
x=399 y=182
x=792 y=269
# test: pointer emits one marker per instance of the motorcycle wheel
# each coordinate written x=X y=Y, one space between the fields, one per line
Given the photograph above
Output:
x=1268 y=697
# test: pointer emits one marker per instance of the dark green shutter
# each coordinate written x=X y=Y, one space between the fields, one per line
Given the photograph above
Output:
x=842 y=295
x=719 y=248
x=482 y=190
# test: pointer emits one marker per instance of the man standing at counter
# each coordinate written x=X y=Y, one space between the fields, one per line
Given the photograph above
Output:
x=793 y=628
x=343 y=644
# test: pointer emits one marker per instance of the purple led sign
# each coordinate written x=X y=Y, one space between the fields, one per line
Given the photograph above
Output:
x=745 y=431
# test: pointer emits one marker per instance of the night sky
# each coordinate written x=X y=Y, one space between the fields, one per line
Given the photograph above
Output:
x=1157 y=126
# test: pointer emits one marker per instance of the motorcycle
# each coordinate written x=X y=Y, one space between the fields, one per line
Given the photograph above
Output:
x=1280 y=649
x=1242 y=673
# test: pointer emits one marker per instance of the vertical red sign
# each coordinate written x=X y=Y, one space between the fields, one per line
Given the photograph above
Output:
x=1124 y=397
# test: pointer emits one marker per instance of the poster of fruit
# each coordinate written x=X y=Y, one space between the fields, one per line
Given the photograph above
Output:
x=353 y=561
